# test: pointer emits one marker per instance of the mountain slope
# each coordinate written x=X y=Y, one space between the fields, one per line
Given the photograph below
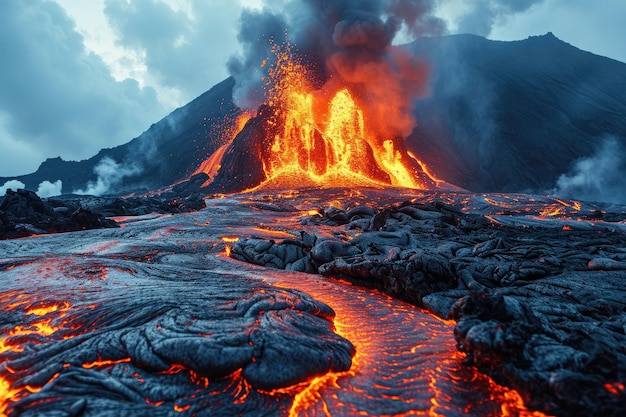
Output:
x=167 y=152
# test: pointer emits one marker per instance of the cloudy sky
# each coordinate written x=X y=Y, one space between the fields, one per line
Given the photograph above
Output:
x=80 y=75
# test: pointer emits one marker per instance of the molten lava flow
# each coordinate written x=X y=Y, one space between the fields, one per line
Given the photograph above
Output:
x=45 y=322
x=323 y=136
x=212 y=165
x=6 y=393
x=311 y=135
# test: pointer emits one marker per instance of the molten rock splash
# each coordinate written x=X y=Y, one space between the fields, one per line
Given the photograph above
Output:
x=331 y=114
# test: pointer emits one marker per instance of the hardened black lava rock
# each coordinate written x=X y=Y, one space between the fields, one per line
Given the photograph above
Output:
x=23 y=213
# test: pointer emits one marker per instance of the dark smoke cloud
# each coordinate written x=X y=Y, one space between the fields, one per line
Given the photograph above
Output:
x=599 y=177
x=416 y=16
x=349 y=40
x=256 y=30
x=483 y=14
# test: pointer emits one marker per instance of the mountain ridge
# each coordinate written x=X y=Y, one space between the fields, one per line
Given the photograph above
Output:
x=501 y=117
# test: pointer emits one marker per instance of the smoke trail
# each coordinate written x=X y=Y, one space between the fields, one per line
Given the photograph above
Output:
x=599 y=177
x=110 y=174
x=342 y=41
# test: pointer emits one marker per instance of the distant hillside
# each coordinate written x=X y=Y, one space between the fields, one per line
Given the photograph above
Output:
x=501 y=116
x=514 y=116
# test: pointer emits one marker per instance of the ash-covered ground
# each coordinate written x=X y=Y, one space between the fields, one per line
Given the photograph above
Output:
x=155 y=317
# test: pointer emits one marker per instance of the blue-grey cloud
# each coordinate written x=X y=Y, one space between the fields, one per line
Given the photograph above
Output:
x=483 y=14
x=184 y=50
x=56 y=99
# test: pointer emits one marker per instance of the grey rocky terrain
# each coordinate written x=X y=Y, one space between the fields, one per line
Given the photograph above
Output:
x=535 y=285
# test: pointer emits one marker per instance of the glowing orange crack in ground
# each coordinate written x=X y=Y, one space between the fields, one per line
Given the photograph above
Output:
x=311 y=400
x=43 y=327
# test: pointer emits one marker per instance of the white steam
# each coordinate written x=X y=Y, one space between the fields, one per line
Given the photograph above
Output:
x=11 y=184
x=110 y=174
x=599 y=177
x=49 y=189
x=45 y=189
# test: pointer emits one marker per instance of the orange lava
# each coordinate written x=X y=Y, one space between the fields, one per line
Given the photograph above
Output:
x=181 y=408
x=323 y=136
x=212 y=164
x=320 y=395
x=101 y=362
x=273 y=232
x=333 y=136
x=46 y=315
x=561 y=208
x=618 y=389
x=6 y=394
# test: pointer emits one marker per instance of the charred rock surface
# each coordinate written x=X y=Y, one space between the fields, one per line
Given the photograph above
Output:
x=242 y=165
x=138 y=206
x=146 y=319
x=183 y=197
x=23 y=213
x=539 y=301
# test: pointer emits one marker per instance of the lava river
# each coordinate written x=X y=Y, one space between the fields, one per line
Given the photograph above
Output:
x=154 y=319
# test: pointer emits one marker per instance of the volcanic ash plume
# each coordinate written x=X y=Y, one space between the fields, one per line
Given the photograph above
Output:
x=339 y=93
x=342 y=42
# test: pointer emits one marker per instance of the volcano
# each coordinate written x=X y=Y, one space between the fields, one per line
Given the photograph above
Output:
x=338 y=264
